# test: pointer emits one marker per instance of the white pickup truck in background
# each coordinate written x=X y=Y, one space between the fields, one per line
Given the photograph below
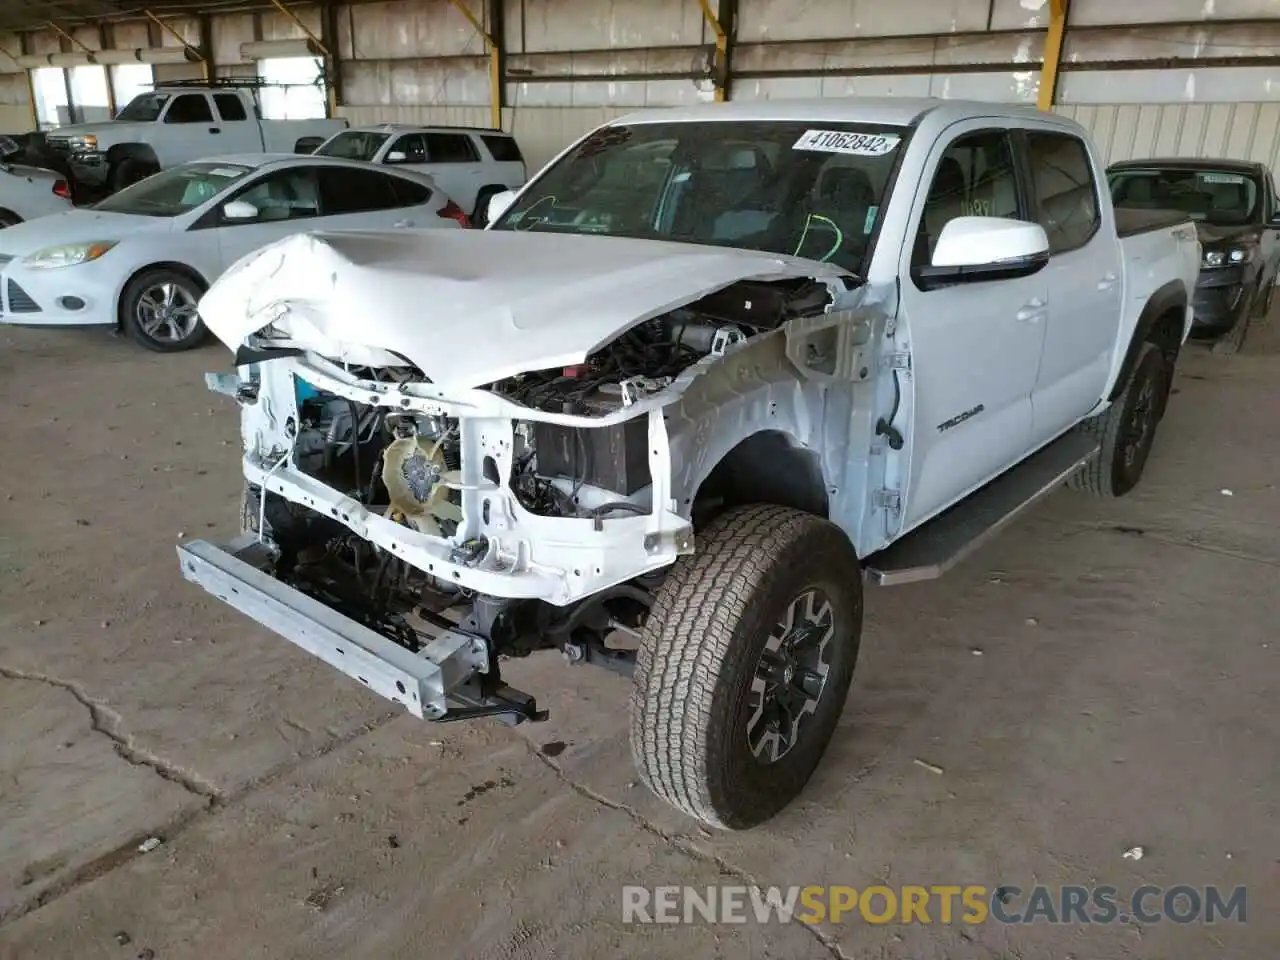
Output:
x=710 y=370
x=174 y=124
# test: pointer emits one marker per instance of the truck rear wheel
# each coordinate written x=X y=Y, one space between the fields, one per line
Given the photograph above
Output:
x=745 y=665
x=1126 y=430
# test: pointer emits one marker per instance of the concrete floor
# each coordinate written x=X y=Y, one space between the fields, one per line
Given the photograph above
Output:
x=1125 y=695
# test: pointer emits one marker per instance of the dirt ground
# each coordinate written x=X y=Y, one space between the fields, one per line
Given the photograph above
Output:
x=1103 y=676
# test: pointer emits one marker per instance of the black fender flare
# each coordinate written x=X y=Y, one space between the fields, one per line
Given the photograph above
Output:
x=1170 y=298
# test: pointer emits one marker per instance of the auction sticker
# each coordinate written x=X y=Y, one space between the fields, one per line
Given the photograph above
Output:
x=852 y=144
x=1221 y=178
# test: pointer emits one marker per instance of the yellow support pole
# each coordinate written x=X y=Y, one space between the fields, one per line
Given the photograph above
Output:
x=722 y=46
x=495 y=64
x=1053 y=52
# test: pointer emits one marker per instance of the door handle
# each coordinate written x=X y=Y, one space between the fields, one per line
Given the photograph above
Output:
x=403 y=223
x=1032 y=311
x=1108 y=281
x=215 y=130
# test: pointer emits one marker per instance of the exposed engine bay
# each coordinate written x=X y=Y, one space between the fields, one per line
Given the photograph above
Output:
x=405 y=466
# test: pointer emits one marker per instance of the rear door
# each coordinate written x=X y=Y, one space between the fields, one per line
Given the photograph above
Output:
x=1084 y=278
x=367 y=199
x=975 y=347
x=239 y=130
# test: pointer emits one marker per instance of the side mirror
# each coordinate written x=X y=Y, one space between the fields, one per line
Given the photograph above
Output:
x=396 y=156
x=499 y=204
x=976 y=249
x=239 y=210
x=8 y=147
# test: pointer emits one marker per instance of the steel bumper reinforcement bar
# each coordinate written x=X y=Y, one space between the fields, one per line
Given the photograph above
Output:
x=446 y=680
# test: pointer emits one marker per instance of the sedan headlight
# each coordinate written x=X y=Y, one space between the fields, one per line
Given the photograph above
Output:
x=68 y=254
x=1230 y=256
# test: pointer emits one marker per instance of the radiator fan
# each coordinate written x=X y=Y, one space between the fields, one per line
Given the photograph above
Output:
x=416 y=476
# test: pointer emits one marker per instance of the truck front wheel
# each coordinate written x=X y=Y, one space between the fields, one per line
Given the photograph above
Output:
x=1126 y=430
x=745 y=665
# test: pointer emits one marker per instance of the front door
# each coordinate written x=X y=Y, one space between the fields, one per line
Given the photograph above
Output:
x=187 y=131
x=1084 y=278
x=287 y=201
x=975 y=347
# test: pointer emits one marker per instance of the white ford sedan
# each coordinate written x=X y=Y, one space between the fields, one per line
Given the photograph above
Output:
x=141 y=259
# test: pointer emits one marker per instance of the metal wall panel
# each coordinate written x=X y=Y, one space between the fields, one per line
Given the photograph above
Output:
x=409 y=29
x=462 y=81
x=826 y=55
x=1248 y=131
x=227 y=33
x=1100 y=12
x=1183 y=42
x=1002 y=86
x=562 y=25
x=760 y=20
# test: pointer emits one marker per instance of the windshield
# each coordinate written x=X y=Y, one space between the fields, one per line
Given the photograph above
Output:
x=813 y=190
x=352 y=145
x=145 y=107
x=1213 y=196
x=174 y=191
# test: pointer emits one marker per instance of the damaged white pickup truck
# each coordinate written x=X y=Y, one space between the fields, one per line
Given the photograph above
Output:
x=709 y=371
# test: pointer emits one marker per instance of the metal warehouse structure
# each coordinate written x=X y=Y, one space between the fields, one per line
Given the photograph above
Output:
x=1184 y=77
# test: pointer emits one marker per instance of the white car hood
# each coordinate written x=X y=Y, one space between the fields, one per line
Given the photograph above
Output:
x=470 y=307
x=74 y=226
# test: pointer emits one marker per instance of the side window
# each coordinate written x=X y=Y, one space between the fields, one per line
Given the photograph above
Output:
x=284 y=195
x=408 y=193
x=503 y=149
x=230 y=107
x=348 y=190
x=1275 y=197
x=1065 y=192
x=413 y=146
x=975 y=177
x=189 y=108
x=451 y=148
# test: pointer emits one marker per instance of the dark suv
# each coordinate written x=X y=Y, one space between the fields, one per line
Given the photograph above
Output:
x=1237 y=214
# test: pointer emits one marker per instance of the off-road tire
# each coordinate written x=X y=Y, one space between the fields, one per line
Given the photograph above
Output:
x=126 y=173
x=701 y=644
x=1108 y=474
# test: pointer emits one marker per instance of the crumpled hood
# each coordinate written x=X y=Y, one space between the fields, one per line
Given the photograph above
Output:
x=470 y=307
x=74 y=226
